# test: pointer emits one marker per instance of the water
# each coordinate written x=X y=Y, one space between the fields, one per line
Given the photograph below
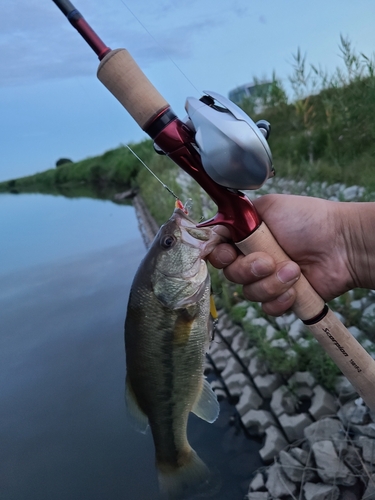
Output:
x=66 y=267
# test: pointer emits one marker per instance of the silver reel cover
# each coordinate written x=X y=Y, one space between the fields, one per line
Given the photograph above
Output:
x=234 y=152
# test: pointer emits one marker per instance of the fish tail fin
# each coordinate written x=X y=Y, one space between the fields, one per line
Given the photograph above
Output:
x=189 y=477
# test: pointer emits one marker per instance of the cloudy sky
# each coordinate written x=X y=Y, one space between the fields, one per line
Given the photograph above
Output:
x=52 y=105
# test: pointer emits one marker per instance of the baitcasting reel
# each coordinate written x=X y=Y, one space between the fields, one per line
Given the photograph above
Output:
x=233 y=149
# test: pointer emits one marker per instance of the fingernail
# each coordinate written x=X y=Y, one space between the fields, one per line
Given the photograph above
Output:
x=288 y=273
x=284 y=297
x=260 y=268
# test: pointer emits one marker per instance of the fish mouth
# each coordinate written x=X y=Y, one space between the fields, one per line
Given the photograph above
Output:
x=203 y=238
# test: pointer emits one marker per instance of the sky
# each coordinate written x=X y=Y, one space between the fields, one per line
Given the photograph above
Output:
x=52 y=105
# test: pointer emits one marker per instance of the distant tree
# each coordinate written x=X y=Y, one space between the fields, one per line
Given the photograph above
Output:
x=62 y=161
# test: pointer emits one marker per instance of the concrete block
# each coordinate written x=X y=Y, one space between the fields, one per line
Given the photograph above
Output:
x=240 y=341
x=273 y=444
x=245 y=355
x=249 y=400
x=296 y=330
x=221 y=355
x=229 y=333
x=283 y=401
x=257 y=421
x=270 y=332
x=294 y=425
x=302 y=378
x=232 y=366
x=257 y=367
x=235 y=383
x=323 y=403
x=267 y=384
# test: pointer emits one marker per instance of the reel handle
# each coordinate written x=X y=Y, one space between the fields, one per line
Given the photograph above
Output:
x=344 y=350
x=125 y=80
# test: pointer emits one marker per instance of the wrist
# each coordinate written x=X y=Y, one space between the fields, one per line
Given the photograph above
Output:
x=356 y=222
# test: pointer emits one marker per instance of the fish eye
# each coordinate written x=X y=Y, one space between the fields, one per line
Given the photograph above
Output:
x=168 y=241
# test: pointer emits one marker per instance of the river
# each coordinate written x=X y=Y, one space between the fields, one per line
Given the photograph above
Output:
x=66 y=267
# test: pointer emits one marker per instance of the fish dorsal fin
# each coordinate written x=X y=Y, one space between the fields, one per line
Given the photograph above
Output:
x=136 y=416
x=206 y=405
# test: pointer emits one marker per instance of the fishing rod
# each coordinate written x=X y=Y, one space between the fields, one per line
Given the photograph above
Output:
x=225 y=152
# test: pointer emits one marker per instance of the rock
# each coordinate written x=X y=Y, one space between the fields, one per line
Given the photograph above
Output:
x=327 y=428
x=278 y=484
x=329 y=467
x=257 y=421
x=235 y=383
x=352 y=193
x=322 y=403
x=257 y=495
x=344 y=389
x=321 y=491
x=283 y=401
x=294 y=425
x=369 y=494
x=232 y=366
x=368 y=448
x=249 y=400
x=294 y=470
x=273 y=444
x=267 y=384
x=257 y=483
x=257 y=367
x=353 y=413
x=365 y=430
x=301 y=455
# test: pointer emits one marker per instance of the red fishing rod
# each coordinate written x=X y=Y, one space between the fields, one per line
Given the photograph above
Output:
x=224 y=151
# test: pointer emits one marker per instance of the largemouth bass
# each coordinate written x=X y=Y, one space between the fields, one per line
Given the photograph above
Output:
x=167 y=332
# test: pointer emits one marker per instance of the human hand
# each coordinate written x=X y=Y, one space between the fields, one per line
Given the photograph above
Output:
x=312 y=232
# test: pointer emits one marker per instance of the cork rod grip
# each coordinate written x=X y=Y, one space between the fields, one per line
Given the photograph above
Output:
x=125 y=80
x=348 y=355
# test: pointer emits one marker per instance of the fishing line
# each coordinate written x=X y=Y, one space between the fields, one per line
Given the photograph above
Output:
x=160 y=47
x=153 y=173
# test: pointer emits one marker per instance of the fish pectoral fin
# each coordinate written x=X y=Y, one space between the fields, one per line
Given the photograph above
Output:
x=206 y=405
x=136 y=416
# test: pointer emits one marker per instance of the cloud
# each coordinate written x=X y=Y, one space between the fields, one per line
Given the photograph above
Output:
x=37 y=43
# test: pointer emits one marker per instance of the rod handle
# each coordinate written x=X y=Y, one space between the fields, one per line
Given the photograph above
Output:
x=126 y=81
x=344 y=350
